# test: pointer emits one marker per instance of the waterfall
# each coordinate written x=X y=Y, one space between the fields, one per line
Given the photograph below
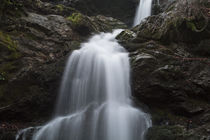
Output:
x=94 y=101
x=158 y=2
x=144 y=10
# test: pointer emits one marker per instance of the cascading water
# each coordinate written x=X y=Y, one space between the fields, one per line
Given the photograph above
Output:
x=94 y=102
x=158 y=2
x=144 y=10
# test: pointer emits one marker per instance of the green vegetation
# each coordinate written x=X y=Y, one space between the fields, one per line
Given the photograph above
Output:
x=6 y=41
x=60 y=7
x=9 y=55
x=75 y=18
x=191 y=26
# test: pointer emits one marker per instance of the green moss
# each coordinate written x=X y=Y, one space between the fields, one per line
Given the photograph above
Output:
x=9 y=56
x=60 y=7
x=75 y=18
x=196 y=26
x=191 y=26
x=9 y=45
x=6 y=41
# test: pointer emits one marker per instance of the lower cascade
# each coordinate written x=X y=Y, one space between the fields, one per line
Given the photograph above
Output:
x=94 y=101
x=143 y=11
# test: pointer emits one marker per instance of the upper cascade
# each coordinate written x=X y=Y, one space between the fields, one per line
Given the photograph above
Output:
x=144 y=10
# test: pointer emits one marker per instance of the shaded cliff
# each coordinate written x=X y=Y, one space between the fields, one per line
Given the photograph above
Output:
x=171 y=69
x=35 y=40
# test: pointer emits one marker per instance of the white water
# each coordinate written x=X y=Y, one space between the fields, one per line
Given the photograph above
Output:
x=143 y=11
x=158 y=2
x=94 y=102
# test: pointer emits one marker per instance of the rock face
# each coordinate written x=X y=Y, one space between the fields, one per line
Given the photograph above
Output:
x=34 y=45
x=171 y=66
x=120 y=9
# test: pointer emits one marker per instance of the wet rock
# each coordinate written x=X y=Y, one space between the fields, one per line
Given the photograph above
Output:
x=34 y=48
x=119 y=9
x=165 y=68
x=179 y=23
x=171 y=68
x=126 y=36
x=85 y=25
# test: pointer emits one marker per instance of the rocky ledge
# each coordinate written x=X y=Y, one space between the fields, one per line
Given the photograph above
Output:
x=170 y=58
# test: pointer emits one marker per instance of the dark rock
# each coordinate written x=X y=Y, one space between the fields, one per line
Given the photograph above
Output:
x=176 y=24
x=171 y=67
x=34 y=48
x=7 y=135
x=174 y=133
x=120 y=9
x=166 y=71
x=85 y=25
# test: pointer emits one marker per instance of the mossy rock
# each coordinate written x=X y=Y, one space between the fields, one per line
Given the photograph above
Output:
x=197 y=26
x=60 y=7
x=76 y=18
x=81 y=23
x=126 y=35
x=9 y=45
x=6 y=41
x=9 y=56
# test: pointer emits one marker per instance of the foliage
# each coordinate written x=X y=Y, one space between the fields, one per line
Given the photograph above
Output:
x=75 y=18
x=6 y=41
x=60 y=7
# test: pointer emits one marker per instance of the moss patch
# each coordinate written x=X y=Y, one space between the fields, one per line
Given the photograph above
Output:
x=8 y=45
x=9 y=56
x=75 y=18
x=6 y=41
x=60 y=7
x=191 y=26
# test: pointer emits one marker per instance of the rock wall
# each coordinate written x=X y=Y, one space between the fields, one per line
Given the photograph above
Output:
x=171 y=69
x=36 y=38
x=120 y=9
